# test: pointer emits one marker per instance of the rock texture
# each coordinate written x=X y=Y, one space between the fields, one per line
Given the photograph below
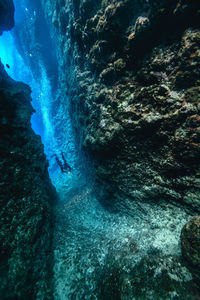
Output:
x=153 y=277
x=26 y=197
x=133 y=85
x=190 y=242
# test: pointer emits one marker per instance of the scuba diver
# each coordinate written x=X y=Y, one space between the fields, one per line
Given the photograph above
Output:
x=65 y=168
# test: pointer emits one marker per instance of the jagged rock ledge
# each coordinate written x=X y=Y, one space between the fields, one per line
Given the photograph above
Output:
x=26 y=198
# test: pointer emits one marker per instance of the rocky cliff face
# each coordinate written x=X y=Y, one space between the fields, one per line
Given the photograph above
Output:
x=26 y=196
x=134 y=91
x=131 y=71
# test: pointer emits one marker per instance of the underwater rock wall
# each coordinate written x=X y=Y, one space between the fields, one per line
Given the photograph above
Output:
x=6 y=15
x=133 y=85
x=26 y=197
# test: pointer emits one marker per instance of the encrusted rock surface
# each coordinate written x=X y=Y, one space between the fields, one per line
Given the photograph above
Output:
x=26 y=196
x=153 y=277
x=26 y=199
x=134 y=91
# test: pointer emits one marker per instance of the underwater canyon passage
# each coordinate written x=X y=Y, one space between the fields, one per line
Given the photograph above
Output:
x=115 y=87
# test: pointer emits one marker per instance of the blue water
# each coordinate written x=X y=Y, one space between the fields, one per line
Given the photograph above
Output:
x=41 y=88
x=53 y=125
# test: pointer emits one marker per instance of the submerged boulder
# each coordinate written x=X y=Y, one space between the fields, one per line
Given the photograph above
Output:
x=190 y=242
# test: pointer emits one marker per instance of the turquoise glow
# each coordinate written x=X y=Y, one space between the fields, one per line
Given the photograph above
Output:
x=41 y=89
x=52 y=124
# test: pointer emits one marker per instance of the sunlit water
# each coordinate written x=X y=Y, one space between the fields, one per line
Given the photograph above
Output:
x=41 y=88
x=45 y=118
x=89 y=242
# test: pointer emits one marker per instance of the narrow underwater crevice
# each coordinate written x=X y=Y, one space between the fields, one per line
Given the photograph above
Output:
x=129 y=136
x=32 y=58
